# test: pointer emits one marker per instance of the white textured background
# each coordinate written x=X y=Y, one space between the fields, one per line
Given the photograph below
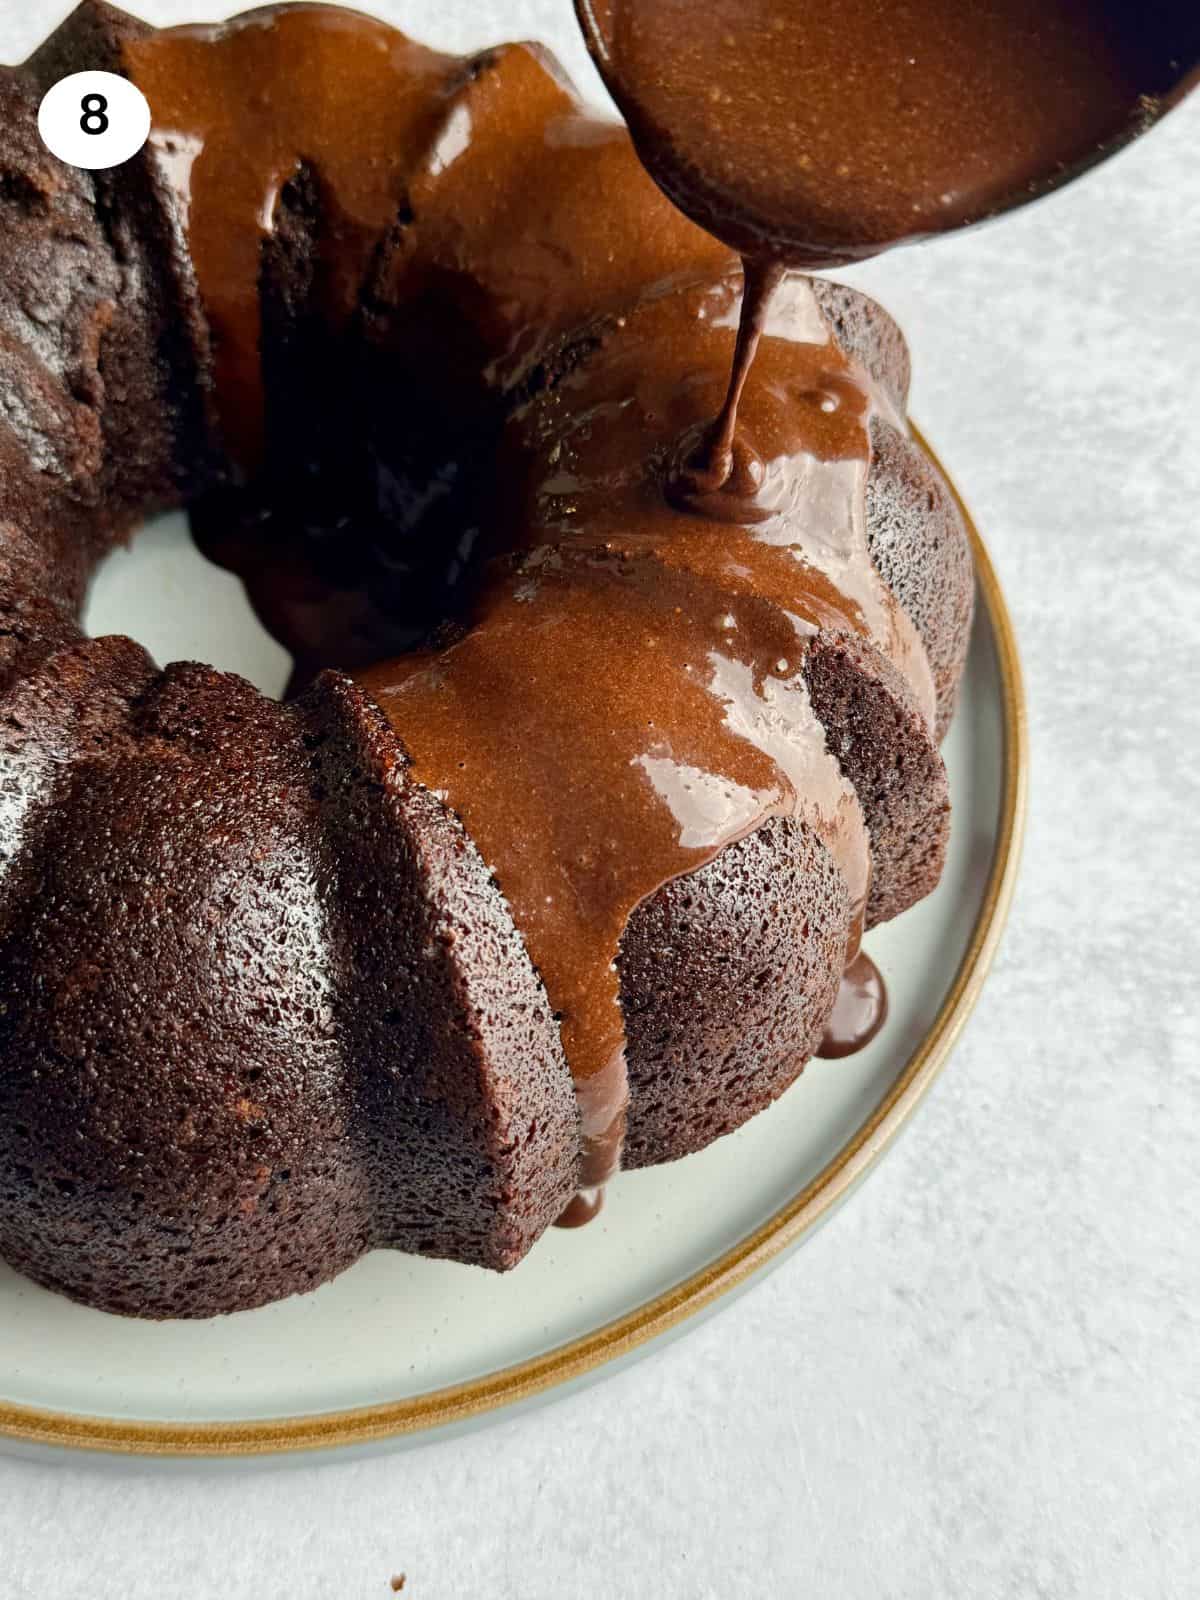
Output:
x=983 y=1377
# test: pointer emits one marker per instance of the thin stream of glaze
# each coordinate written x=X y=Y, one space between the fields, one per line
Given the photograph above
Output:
x=700 y=481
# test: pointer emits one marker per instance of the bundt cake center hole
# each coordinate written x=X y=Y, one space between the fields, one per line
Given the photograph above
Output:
x=159 y=590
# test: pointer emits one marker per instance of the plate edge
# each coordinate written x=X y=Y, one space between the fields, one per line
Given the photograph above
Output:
x=526 y=1380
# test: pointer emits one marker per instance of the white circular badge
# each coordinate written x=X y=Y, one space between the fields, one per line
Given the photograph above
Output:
x=94 y=119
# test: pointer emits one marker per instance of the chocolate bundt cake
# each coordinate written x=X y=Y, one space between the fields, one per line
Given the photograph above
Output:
x=555 y=853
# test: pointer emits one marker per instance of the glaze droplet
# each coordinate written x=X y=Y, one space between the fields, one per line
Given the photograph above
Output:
x=582 y=1208
x=859 y=1011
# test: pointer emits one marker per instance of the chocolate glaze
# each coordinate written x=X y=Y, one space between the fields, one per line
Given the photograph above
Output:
x=351 y=530
x=629 y=697
x=237 y=108
x=434 y=149
x=859 y=1011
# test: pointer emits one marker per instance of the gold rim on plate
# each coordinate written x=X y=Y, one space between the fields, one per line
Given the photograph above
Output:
x=459 y=1403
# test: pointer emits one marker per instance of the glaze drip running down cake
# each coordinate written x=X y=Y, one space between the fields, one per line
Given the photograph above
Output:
x=554 y=856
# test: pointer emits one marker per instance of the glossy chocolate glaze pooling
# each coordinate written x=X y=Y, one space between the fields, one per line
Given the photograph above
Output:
x=228 y=141
x=630 y=697
x=395 y=134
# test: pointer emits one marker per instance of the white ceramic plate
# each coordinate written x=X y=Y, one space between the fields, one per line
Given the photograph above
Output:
x=399 y=1346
